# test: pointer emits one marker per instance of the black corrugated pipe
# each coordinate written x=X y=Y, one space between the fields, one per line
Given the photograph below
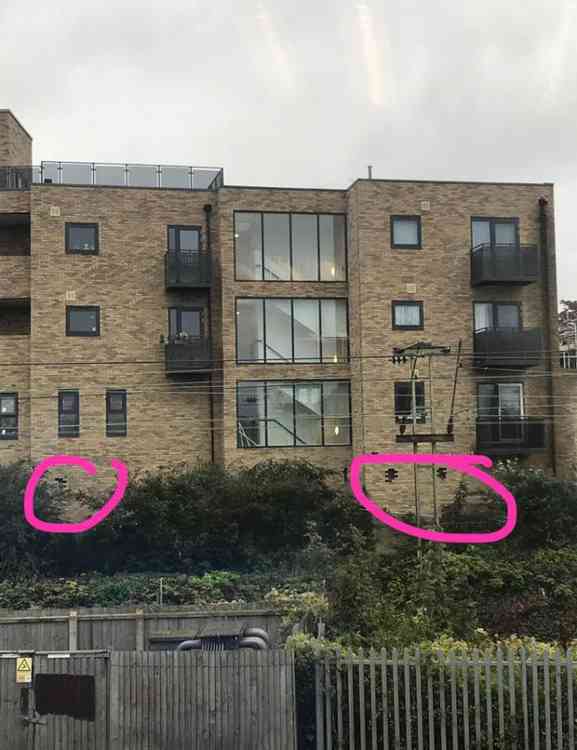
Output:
x=544 y=232
x=207 y=211
x=189 y=645
x=254 y=642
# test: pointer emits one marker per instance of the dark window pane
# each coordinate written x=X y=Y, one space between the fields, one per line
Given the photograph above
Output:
x=507 y=316
x=189 y=240
x=83 y=320
x=248 y=243
x=173 y=321
x=82 y=238
x=404 y=401
x=305 y=247
x=190 y=322
x=172 y=238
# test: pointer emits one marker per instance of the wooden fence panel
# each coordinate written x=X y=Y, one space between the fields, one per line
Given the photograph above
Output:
x=230 y=700
x=119 y=629
x=510 y=701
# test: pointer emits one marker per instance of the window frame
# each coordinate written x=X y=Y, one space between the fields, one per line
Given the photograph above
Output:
x=407 y=419
x=497 y=384
x=293 y=383
x=292 y=360
x=93 y=225
x=494 y=304
x=15 y=415
x=290 y=214
x=186 y=308
x=410 y=303
x=123 y=431
x=495 y=220
x=70 y=332
x=178 y=228
x=405 y=217
x=63 y=432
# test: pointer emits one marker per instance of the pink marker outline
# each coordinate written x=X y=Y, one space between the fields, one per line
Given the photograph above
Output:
x=462 y=463
x=89 y=468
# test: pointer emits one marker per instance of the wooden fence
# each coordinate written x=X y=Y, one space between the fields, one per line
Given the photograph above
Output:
x=231 y=700
x=120 y=629
x=511 y=699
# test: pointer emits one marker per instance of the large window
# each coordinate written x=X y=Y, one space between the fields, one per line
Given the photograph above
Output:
x=275 y=330
x=290 y=247
x=497 y=316
x=501 y=409
x=494 y=232
x=404 y=402
x=82 y=321
x=293 y=414
x=8 y=416
x=68 y=414
x=116 y=413
x=82 y=239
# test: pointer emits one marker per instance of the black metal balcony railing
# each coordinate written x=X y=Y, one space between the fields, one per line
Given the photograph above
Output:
x=511 y=435
x=568 y=359
x=508 y=347
x=187 y=269
x=504 y=264
x=187 y=354
x=111 y=175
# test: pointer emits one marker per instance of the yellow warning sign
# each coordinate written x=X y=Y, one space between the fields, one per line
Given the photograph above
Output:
x=24 y=669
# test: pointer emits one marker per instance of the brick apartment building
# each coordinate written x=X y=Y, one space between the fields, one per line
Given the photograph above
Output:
x=157 y=315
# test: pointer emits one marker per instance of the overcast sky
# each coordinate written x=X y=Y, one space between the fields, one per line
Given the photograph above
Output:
x=305 y=93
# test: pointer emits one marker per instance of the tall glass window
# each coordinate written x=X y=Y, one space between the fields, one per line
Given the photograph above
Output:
x=250 y=330
x=248 y=244
x=333 y=247
x=305 y=257
x=278 y=337
x=293 y=414
x=292 y=330
x=290 y=246
x=276 y=241
x=306 y=327
x=497 y=316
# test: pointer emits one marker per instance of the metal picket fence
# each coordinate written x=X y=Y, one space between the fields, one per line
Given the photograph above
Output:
x=393 y=700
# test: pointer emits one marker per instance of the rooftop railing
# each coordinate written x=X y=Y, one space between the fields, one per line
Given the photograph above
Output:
x=111 y=175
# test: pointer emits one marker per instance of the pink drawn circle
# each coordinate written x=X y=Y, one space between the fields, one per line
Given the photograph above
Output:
x=460 y=462
x=89 y=468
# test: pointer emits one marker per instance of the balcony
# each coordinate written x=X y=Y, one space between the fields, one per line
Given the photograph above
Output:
x=511 y=436
x=504 y=264
x=187 y=270
x=111 y=175
x=508 y=347
x=187 y=355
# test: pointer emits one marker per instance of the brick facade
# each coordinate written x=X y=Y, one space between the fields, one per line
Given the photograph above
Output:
x=195 y=419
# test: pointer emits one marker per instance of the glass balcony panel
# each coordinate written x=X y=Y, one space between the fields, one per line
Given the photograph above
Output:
x=76 y=173
x=110 y=174
x=142 y=176
x=175 y=177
